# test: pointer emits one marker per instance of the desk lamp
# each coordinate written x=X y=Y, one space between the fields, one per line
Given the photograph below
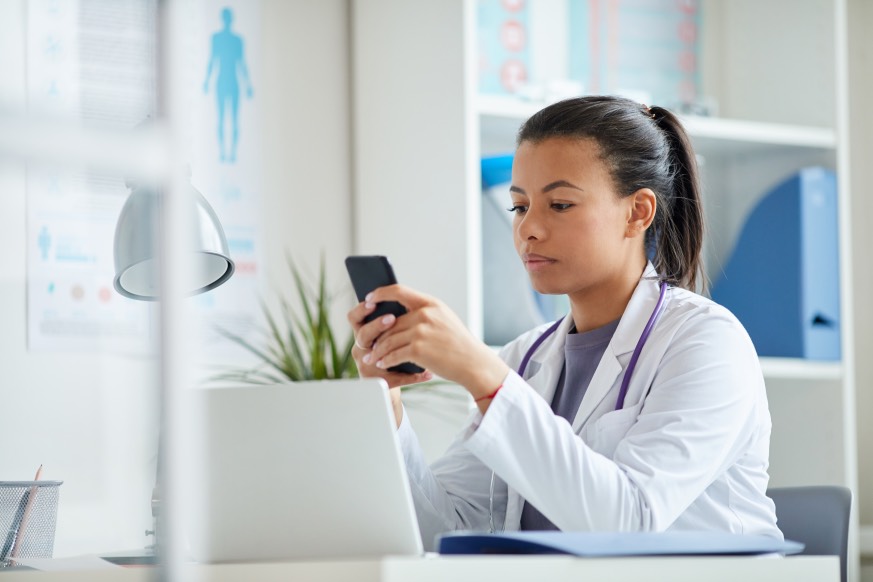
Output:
x=137 y=267
x=136 y=263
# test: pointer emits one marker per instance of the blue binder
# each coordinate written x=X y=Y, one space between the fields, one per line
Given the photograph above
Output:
x=594 y=544
x=783 y=279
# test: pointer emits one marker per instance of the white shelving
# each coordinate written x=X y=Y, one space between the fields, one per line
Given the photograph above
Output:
x=713 y=136
x=796 y=368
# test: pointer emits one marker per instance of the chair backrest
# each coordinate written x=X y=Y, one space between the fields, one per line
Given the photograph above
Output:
x=817 y=516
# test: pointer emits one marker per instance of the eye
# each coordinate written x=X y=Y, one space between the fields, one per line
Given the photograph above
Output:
x=518 y=209
x=560 y=206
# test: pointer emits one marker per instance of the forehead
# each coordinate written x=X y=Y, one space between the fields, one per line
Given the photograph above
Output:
x=558 y=158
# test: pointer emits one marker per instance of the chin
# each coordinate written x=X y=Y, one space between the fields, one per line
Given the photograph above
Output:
x=547 y=289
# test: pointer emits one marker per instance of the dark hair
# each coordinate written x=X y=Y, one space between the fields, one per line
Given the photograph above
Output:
x=643 y=148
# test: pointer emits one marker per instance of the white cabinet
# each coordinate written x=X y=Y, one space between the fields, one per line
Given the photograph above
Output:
x=777 y=69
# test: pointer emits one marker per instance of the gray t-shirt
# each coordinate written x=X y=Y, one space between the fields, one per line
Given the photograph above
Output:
x=582 y=353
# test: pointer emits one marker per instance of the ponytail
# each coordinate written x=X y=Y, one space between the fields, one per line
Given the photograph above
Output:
x=679 y=235
x=643 y=148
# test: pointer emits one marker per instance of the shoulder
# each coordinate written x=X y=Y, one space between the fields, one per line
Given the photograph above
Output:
x=689 y=312
x=703 y=334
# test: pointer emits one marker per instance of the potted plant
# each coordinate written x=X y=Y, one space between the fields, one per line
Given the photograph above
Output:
x=299 y=346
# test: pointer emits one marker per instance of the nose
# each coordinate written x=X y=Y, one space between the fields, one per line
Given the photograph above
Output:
x=529 y=226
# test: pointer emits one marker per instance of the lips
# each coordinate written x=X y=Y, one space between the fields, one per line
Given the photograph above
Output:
x=535 y=262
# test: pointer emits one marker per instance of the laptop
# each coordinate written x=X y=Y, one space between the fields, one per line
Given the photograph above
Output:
x=303 y=471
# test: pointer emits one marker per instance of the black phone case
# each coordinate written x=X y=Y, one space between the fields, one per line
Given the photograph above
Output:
x=368 y=273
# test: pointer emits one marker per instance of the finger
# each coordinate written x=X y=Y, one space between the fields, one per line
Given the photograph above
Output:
x=387 y=343
x=395 y=349
x=357 y=314
x=367 y=334
x=406 y=296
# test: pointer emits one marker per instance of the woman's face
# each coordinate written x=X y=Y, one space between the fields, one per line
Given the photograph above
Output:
x=571 y=228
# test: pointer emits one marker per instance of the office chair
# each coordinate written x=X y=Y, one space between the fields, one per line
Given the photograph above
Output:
x=817 y=516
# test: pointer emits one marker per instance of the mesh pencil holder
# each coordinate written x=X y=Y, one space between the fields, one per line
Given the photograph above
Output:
x=29 y=532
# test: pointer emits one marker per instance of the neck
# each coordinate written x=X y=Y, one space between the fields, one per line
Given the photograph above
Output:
x=595 y=307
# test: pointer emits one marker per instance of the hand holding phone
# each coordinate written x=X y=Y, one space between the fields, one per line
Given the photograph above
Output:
x=367 y=274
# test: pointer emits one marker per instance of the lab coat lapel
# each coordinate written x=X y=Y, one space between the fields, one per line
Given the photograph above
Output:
x=545 y=364
x=608 y=376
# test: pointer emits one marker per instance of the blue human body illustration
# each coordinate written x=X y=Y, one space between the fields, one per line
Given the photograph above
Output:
x=228 y=54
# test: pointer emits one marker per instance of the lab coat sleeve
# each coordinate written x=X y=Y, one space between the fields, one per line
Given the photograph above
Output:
x=699 y=414
x=453 y=492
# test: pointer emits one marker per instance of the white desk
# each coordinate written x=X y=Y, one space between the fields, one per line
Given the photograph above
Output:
x=481 y=568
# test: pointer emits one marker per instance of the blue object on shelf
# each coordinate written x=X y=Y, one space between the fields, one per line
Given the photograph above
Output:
x=596 y=544
x=783 y=279
x=496 y=170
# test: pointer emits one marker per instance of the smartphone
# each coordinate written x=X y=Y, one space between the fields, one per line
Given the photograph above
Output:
x=368 y=272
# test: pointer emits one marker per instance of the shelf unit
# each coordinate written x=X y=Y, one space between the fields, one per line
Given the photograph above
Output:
x=420 y=129
x=500 y=117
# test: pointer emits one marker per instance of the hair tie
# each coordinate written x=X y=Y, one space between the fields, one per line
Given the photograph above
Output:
x=649 y=112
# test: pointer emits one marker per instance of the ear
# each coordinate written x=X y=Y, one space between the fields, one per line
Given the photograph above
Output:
x=642 y=205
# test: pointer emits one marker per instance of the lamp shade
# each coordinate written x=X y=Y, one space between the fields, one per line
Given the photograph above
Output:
x=137 y=270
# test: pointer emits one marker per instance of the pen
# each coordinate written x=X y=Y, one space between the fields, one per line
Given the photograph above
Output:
x=16 y=532
x=13 y=527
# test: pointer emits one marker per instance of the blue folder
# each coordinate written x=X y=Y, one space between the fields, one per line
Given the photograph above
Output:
x=783 y=278
x=591 y=544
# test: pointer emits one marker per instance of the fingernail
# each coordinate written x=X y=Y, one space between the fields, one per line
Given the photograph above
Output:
x=366 y=358
x=387 y=319
x=380 y=364
x=369 y=305
x=369 y=297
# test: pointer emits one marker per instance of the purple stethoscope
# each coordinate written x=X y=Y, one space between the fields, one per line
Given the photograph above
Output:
x=625 y=382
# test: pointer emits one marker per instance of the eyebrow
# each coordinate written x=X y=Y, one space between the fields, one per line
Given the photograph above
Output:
x=549 y=187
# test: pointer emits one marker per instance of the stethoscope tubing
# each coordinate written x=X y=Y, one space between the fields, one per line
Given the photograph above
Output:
x=644 y=337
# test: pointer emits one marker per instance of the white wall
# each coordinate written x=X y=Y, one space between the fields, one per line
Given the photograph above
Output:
x=306 y=128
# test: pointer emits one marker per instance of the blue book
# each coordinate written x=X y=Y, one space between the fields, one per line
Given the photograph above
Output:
x=592 y=544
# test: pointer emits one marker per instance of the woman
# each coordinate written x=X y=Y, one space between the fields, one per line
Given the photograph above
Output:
x=598 y=185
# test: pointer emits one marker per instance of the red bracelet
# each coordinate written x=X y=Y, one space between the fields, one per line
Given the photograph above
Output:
x=487 y=396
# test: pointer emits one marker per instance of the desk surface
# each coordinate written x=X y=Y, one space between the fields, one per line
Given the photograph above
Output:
x=478 y=568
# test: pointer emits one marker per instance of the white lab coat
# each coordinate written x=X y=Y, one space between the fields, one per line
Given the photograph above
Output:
x=689 y=450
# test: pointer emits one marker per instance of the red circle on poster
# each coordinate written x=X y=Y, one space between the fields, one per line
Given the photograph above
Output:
x=512 y=35
x=513 y=74
x=512 y=5
x=104 y=294
x=687 y=31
